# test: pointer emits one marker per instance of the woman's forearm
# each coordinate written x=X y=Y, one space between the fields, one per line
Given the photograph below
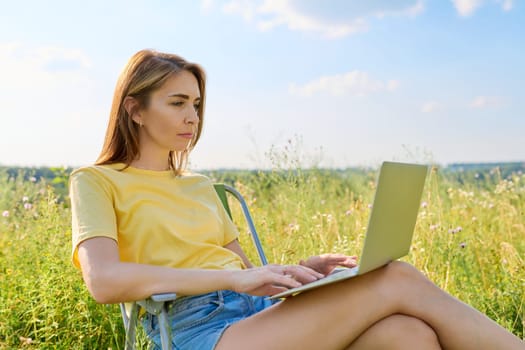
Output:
x=128 y=282
x=111 y=281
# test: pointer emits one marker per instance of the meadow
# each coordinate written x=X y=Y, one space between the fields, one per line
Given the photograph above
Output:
x=469 y=239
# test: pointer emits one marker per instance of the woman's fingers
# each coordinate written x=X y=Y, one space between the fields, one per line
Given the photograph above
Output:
x=325 y=263
x=342 y=260
x=350 y=261
x=303 y=274
x=272 y=279
x=257 y=278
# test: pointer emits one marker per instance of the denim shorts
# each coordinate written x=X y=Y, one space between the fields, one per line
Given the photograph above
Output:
x=197 y=322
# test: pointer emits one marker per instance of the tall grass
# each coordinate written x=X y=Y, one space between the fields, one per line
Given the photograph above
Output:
x=469 y=239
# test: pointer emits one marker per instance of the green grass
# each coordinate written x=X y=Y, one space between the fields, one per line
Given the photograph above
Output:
x=470 y=240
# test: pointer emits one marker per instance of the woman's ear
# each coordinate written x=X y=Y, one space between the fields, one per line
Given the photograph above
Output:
x=132 y=107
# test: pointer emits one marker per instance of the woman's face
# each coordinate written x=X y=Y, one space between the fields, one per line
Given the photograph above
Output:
x=170 y=121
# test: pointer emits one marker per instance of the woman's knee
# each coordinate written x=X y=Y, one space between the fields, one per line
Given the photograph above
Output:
x=402 y=283
x=399 y=271
x=402 y=268
x=405 y=332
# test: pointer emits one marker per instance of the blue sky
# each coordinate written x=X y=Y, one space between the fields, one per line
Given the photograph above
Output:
x=332 y=83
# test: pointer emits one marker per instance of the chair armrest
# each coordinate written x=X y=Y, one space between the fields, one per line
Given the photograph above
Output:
x=155 y=303
x=164 y=297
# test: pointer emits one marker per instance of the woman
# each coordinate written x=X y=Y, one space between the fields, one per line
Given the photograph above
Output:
x=143 y=225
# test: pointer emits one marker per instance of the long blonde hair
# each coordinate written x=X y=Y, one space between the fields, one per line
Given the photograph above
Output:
x=145 y=72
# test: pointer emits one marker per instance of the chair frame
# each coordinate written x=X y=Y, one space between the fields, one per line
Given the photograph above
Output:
x=157 y=304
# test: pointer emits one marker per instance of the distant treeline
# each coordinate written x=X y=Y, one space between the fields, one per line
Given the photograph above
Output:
x=58 y=176
x=483 y=171
x=506 y=168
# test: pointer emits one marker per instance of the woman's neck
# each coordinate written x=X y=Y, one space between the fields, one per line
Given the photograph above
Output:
x=157 y=163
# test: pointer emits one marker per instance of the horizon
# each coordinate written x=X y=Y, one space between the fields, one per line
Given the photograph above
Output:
x=335 y=83
x=485 y=165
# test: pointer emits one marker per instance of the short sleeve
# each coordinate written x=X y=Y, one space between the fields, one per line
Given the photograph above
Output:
x=92 y=211
x=230 y=230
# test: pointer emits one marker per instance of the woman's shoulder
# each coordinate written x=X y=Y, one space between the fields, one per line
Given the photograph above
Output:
x=95 y=169
x=101 y=176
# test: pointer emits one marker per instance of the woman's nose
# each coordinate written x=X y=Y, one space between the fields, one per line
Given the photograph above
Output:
x=192 y=117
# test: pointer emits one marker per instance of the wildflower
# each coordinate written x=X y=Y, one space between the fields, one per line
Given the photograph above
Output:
x=323 y=201
x=462 y=245
x=433 y=227
x=424 y=205
x=455 y=230
x=28 y=206
x=474 y=218
x=369 y=206
x=5 y=213
x=293 y=227
x=348 y=212
x=32 y=179
x=25 y=341
x=25 y=198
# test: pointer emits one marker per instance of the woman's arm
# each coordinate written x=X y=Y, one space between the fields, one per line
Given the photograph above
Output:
x=235 y=247
x=111 y=281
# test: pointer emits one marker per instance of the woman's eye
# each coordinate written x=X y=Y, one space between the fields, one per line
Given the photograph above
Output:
x=196 y=106
x=178 y=103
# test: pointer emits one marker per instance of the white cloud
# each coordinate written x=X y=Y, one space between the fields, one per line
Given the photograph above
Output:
x=356 y=83
x=330 y=19
x=48 y=101
x=392 y=85
x=282 y=13
x=430 y=107
x=43 y=67
x=484 y=102
x=506 y=5
x=466 y=8
x=411 y=10
x=245 y=8
x=207 y=5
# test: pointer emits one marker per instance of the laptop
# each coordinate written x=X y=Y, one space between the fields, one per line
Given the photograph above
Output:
x=390 y=226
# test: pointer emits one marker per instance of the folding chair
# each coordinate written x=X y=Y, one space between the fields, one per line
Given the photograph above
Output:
x=157 y=304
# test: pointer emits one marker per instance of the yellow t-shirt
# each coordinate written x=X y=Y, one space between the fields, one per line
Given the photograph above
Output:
x=155 y=217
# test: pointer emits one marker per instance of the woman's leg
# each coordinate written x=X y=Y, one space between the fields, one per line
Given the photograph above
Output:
x=334 y=316
x=397 y=332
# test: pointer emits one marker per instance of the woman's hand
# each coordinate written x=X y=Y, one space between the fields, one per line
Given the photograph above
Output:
x=326 y=263
x=272 y=279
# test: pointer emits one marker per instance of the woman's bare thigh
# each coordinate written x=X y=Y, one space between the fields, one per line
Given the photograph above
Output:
x=331 y=317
